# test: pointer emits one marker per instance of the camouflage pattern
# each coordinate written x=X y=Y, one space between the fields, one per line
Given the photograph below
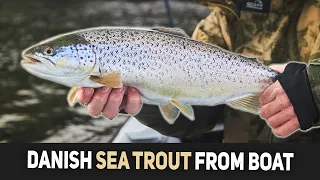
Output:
x=289 y=32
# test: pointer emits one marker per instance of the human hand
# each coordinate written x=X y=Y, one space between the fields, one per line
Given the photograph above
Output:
x=277 y=109
x=109 y=102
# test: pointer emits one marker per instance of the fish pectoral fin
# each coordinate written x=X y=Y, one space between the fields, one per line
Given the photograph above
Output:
x=249 y=104
x=185 y=109
x=112 y=80
x=175 y=31
x=72 y=97
x=169 y=112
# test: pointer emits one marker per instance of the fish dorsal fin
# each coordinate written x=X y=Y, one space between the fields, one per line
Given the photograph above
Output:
x=112 y=80
x=249 y=103
x=72 y=97
x=175 y=31
x=185 y=109
x=169 y=112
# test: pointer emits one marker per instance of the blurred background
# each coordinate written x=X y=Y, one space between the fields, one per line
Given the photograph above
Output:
x=36 y=110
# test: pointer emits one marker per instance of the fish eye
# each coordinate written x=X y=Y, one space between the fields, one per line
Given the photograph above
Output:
x=48 y=51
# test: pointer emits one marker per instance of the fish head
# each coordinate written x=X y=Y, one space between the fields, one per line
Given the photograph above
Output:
x=64 y=59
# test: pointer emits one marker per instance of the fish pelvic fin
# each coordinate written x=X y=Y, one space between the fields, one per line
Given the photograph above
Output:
x=72 y=97
x=185 y=109
x=169 y=112
x=248 y=104
x=112 y=80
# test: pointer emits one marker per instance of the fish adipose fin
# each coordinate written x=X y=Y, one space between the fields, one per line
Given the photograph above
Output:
x=72 y=97
x=185 y=109
x=175 y=31
x=252 y=58
x=249 y=104
x=112 y=80
x=169 y=112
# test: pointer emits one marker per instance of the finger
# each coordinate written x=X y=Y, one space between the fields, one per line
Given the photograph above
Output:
x=133 y=102
x=272 y=108
x=270 y=93
x=288 y=128
x=85 y=95
x=281 y=117
x=278 y=67
x=111 y=109
x=98 y=101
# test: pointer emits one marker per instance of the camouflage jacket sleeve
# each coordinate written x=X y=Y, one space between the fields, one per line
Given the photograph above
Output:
x=309 y=27
x=313 y=70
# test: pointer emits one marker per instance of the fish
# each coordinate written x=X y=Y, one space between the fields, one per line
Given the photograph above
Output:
x=168 y=68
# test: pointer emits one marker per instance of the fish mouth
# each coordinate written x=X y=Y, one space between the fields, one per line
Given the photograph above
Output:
x=28 y=59
x=37 y=67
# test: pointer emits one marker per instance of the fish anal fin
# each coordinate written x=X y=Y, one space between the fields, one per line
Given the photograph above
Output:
x=248 y=104
x=169 y=112
x=185 y=109
x=112 y=80
x=175 y=31
x=72 y=97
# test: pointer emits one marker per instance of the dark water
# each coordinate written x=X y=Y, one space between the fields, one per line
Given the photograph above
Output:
x=35 y=110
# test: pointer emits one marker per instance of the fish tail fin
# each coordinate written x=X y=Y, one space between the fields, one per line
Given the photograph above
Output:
x=248 y=103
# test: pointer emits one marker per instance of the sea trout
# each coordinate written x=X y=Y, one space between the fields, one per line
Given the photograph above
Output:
x=169 y=69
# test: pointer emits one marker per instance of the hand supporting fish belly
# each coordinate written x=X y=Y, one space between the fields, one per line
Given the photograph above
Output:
x=108 y=102
x=168 y=69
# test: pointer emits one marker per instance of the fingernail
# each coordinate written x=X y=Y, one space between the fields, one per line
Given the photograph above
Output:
x=105 y=89
x=133 y=89
x=87 y=92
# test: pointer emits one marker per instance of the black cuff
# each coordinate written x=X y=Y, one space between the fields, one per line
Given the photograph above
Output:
x=294 y=80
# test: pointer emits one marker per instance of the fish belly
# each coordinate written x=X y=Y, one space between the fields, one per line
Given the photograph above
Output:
x=155 y=98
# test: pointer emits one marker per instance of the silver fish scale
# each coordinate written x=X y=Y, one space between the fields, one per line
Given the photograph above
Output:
x=174 y=65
